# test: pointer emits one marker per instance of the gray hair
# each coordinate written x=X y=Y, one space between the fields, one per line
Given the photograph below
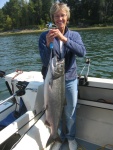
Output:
x=59 y=6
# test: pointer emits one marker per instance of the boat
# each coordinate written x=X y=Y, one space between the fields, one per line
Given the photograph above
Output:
x=22 y=115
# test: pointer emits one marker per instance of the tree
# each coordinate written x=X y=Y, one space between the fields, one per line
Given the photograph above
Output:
x=12 y=8
x=105 y=10
x=8 y=23
x=23 y=14
x=2 y=19
x=46 y=12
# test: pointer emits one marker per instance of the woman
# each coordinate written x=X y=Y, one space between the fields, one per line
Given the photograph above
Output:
x=66 y=44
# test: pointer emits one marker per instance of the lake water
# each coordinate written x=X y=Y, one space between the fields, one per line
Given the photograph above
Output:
x=21 y=52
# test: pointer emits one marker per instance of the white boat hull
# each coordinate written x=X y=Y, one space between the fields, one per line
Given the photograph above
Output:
x=94 y=122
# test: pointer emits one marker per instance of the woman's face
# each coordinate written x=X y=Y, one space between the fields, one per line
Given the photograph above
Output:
x=60 y=19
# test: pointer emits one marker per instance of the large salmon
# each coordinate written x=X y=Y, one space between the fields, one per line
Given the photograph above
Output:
x=54 y=96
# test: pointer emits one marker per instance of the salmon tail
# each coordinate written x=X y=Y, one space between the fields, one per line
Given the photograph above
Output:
x=51 y=140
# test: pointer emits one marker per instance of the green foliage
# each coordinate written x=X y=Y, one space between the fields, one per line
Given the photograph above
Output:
x=2 y=17
x=8 y=23
x=21 y=14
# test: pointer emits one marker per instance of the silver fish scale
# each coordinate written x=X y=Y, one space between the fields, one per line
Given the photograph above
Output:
x=57 y=68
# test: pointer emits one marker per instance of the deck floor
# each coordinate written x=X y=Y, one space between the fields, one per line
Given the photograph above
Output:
x=83 y=145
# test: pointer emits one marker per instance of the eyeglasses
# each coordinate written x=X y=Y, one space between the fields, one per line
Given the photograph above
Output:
x=58 y=16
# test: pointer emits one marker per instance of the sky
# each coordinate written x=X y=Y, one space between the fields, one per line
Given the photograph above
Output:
x=2 y=2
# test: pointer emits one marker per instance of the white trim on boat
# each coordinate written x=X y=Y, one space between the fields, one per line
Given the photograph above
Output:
x=5 y=106
x=100 y=82
x=27 y=119
x=95 y=104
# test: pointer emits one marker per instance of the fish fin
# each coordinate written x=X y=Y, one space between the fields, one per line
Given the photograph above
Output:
x=58 y=139
x=47 y=123
x=51 y=140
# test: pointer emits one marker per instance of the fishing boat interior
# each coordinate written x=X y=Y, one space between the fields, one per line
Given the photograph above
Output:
x=22 y=114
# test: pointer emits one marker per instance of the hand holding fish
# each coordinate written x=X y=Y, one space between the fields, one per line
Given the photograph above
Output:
x=55 y=33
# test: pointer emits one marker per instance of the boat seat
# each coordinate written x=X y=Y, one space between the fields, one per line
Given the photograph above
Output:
x=13 y=115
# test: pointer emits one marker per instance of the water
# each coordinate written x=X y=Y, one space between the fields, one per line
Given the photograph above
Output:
x=99 y=44
x=21 y=52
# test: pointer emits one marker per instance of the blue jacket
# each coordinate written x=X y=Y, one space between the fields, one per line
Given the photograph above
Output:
x=72 y=48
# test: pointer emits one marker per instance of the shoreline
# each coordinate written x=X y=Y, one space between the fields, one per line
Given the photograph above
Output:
x=27 y=31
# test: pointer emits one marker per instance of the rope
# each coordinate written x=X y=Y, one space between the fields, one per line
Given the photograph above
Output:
x=80 y=147
x=103 y=147
x=18 y=73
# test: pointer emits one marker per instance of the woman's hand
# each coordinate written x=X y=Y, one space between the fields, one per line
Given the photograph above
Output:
x=55 y=33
